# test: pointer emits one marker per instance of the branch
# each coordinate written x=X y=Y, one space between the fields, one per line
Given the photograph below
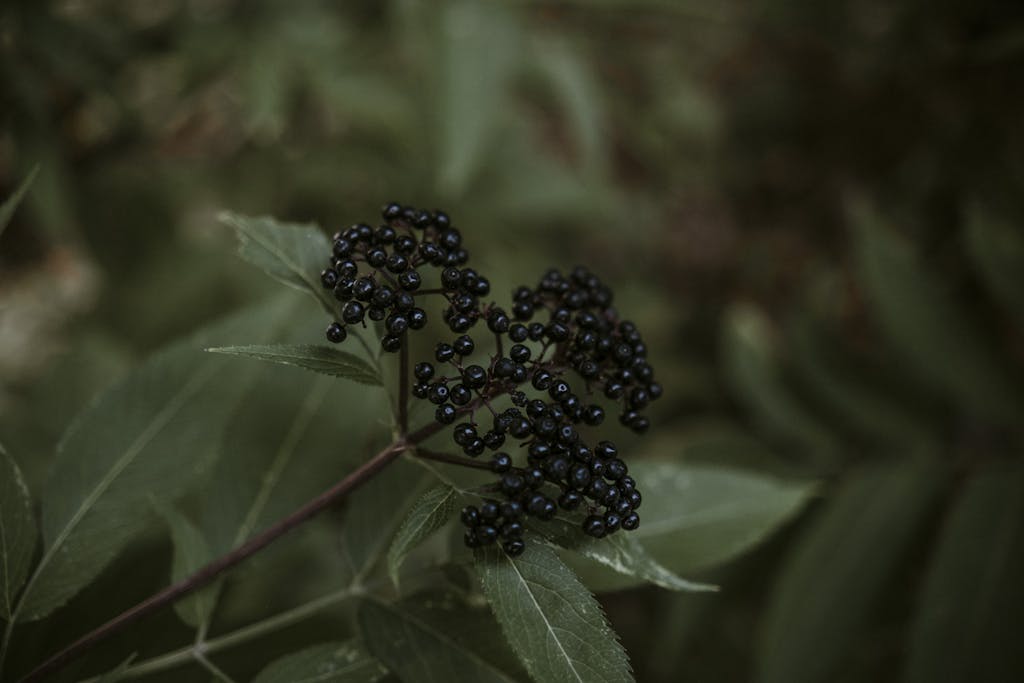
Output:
x=213 y=570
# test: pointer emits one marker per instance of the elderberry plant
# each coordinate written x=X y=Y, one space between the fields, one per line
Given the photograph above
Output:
x=529 y=390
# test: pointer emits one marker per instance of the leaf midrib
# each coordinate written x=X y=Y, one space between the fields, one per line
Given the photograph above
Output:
x=547 y=624
x=284 y=258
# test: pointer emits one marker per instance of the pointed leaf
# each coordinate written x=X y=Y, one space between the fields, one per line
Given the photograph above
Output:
x=551 y=620
x=346 y=662
x=17 y=533
x=621 y=553
x=839 y=568
x=430 y=513
x=695 y=516
x=293 y=254
x=153 y=433
x=972 y=603
x=932 y=331
x=190 y=553
x=425 y=645
x=322 y=359
x=11 y=203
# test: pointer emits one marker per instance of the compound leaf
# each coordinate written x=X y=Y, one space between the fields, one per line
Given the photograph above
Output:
x=550 y=619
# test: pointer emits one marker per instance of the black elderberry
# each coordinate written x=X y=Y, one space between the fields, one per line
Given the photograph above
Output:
x=594 y=526
x=542 y=380
x=396 y=324
x=487 y=534
x=631 y=521
x=438 y=394
x=501 y=462
x=451 y=277
x=352 y=312
x=336 y=333
x=460 y=395
x=518 y=333
x=463 y=345
x=511 y=484
x=424 y=371
x=417 y=319
x=470 y=515
x=611 y=522
x=329 y=278
x=494 y=439
x=489 y=510
x=363 y=289
x=444 y=353
x=504 y=368
x=391 y=343
x=511 y=530
x=570 y=500
x=376 y=257
x=445 y=414
x=514 y=548
x=474 y=376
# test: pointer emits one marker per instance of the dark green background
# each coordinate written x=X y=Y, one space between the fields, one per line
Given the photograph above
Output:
x=814 y=210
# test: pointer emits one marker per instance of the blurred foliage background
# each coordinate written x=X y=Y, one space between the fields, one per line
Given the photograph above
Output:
x=814 y=210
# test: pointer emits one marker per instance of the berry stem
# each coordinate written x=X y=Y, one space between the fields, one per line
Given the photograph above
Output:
x=213 y=570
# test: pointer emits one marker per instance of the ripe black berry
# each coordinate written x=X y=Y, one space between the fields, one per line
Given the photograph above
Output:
x=336 y=333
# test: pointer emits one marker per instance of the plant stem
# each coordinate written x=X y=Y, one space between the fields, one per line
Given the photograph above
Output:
x=239 y=636
x=403 y=387
x=210 y=572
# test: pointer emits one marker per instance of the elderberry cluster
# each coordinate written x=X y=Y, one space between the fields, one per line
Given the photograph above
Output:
x=376 y=273
x=535 y=383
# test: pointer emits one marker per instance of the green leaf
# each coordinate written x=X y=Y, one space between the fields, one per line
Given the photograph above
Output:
x=839 y=568
x=428 y=644
x=697 y=516
x=11 y=203
x=621 y=553
x=551 y=620
x=17 y=532
x=931 y=330
x=997 y=249
x=293 y=254
x=430 y=513
x=153 y=433
x=191 y=552
x=967 y=626
x=753 y=370
x=479 y=48
x=346 y=662
x=322 y=359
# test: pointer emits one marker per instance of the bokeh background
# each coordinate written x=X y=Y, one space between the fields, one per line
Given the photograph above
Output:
x=814 y=210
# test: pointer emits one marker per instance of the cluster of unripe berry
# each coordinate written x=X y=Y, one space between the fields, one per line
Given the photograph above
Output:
x=561 y=334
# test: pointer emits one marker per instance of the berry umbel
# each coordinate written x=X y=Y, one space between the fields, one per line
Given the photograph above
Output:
x=531 y=385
